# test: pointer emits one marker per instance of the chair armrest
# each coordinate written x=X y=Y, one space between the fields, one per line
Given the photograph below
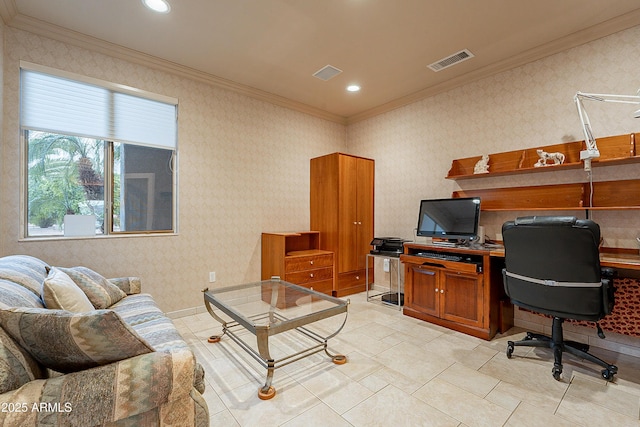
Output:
x=129 y=285
x=101 y=395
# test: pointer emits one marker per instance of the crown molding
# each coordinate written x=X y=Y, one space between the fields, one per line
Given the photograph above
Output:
x=8 y=10
x=11 y=17
x=45 y=29
x=612 y=26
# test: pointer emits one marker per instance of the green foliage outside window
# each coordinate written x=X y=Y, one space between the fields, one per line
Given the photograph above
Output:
x=65 y=176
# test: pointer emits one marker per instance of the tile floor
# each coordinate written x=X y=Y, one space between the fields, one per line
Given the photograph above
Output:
x=405 y=372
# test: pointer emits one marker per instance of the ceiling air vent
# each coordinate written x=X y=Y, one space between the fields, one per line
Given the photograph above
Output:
x=327 y=72
x=447 y=62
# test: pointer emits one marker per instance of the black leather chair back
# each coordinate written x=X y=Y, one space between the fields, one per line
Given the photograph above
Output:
x=552 y=266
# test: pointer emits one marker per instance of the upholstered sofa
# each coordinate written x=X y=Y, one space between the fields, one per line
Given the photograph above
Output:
x=118 y=361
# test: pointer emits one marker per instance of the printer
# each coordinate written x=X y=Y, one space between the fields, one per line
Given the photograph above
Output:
x=390 y=246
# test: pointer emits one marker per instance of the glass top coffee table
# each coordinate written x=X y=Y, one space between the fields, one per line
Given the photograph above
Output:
x=271 y=307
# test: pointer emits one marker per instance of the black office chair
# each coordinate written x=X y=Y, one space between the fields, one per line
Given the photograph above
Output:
x=552 y=266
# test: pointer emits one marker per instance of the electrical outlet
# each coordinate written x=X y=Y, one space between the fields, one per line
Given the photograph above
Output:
x=212 y=276
x=385 y=265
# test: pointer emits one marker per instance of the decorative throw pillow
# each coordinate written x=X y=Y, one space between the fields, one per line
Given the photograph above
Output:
x=69 y=342
x=101 y=292
x=61 y=293
x=17 y=367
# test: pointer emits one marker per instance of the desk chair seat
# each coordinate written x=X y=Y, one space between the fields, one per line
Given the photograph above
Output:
x=552 y=266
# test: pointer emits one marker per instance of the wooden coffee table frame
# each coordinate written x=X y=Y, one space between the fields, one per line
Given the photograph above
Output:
x=277 y=323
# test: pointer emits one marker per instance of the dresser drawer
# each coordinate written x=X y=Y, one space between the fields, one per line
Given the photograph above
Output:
x=303 y=277
x=352 y=282
x=324 y=286
x=351 y=279
x=301 y=263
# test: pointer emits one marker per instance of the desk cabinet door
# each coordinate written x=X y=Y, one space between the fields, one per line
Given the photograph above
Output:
x=462 y=300
x=421 y=289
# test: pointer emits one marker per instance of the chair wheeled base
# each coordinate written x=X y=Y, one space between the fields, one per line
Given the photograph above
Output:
x=558 y=345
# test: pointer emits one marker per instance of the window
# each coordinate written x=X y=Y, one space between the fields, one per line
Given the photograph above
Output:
x=100 y=157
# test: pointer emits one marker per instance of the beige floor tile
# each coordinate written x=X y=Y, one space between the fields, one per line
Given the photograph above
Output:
x=396 y=338
x=460 y=348
x=476 y=358
x=223 y=419
x=393 y=407
x=404 y=358
x=462 y=405
x=359 y=366
x=527 y=415
x=605 y=394
x=214 y=403
x=363 y=342
x=469 y=379
x=405 y=382
x=502 y=396
x=403 y=371
x=334 y=388
x=526 y=373
x=586 y=413
x=509 y=396
x=319 y=416
x=420 y=331
x=374 y=383
x=376 y=330
x=227 y=373
x=291 y=400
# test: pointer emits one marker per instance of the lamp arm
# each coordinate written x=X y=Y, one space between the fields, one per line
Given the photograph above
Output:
x=591 y=151
x=589 y=140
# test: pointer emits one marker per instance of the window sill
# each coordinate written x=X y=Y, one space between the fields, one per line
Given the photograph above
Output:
x=100 y=237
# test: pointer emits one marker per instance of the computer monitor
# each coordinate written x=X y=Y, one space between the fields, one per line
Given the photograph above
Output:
x=453 y=219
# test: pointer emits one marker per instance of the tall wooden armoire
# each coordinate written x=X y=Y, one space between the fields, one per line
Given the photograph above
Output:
x=342 y=211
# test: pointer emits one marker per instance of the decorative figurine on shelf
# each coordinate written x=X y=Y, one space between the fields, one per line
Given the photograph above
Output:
x=558 y=158
x=482 y=166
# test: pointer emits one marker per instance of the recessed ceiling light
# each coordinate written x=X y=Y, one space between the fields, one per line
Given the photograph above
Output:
x=160 y=6
x=353 y=88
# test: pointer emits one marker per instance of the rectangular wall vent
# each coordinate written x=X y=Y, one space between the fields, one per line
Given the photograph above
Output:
x=447 y=62
x=327 y=72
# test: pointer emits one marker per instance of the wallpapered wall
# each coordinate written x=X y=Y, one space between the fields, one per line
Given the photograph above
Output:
x=244 y=164
x=526 y=107
x=243 y=169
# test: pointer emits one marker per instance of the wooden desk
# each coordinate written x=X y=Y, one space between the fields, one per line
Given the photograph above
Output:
x=463 y=295
x=469 y=296
x=621 y=259
x=624 y=318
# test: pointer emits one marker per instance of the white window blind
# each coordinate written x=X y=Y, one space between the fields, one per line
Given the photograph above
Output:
x=60 y=105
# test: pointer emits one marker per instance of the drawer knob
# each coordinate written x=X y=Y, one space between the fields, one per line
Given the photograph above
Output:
x=311 y=275
x=357 y=277
x=311 y=262
x=437 y=290
x=442 y=291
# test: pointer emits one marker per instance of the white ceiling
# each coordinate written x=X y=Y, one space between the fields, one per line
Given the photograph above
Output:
x=270 y=48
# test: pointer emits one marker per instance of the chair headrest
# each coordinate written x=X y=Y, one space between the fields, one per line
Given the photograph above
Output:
x=546 y=220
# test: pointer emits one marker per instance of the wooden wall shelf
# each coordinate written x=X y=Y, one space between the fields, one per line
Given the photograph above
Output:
x=617 y=149
x=623 y=194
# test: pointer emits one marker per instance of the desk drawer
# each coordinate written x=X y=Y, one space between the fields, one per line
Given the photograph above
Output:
x=301 y=263
x=304 y=277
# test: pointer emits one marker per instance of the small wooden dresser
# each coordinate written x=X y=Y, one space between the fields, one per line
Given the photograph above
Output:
x=296 y=258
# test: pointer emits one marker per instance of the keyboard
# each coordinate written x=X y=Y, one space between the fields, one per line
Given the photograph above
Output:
x=443 y=257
